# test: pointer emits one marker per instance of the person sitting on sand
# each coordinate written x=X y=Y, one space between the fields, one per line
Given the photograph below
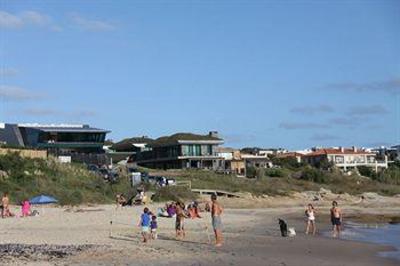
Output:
x=179 y=222
x=26 y=208
x=120 y=200
x=144 y=223
x=216 y=211
x=5 y=202
x=171 y=209
x=193 y=210
x=310 y=214
x=336 y=219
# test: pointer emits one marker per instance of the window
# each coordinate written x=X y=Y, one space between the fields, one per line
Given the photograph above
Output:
x=339 y=159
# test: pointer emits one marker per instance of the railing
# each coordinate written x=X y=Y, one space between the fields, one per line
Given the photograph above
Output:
x=372 y=164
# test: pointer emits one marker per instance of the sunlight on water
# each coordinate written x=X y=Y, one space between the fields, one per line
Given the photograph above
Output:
x=385 y=234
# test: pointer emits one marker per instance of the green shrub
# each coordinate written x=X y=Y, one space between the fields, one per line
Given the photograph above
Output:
x=367 y=171
x=274 y=172
x=251 y=171
x=390 y=175
x=289 y=162
x=314 y=175
x=71 y=184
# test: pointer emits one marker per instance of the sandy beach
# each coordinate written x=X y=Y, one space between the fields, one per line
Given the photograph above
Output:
x=251 y=237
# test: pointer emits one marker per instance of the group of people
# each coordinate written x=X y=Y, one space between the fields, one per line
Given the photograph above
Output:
x=148 y=224
x=148 y=221
x=5 y=207
x=336 y=219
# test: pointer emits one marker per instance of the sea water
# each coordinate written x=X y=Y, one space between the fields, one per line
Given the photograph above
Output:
x=386 y=234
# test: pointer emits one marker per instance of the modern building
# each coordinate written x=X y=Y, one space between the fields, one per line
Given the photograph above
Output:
x=80 y=142
x=124 y=149
x=135 y=144
x=181 y=150
x=345 y=158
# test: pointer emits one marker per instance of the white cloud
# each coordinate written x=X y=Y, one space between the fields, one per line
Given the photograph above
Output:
x=8 y=71
x=91 y=25
x=26 y=18
x=10 y=21
x=11 y=93
x=33 y=17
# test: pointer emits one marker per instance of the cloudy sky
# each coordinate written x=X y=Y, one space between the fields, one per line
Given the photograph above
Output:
x=289 y=74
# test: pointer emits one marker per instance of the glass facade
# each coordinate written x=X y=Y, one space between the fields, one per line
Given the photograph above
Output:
x=196 y=150
x=48 y=137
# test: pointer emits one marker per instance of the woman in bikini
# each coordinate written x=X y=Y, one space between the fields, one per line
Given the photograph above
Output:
x=310 y=214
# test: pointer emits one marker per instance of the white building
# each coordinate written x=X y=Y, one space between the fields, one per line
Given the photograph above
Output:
x=345 y=158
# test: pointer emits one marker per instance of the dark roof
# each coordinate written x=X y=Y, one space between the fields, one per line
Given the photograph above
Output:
x=69 y=129
x=127 y=144
x=176 y=138
x=61 y=128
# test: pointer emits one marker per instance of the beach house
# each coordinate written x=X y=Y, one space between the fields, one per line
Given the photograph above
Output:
x=70 y=142
x=345 y=158
x=181 y=150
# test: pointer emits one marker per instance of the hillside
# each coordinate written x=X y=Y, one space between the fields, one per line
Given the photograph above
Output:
x=72 y=184
x=69 y=183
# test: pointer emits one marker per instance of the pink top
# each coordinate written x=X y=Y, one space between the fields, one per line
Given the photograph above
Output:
x=26 y=208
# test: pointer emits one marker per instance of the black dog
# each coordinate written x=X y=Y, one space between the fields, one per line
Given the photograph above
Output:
x=283 y=227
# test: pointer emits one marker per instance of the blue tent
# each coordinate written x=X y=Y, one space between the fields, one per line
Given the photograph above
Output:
x=42 y=199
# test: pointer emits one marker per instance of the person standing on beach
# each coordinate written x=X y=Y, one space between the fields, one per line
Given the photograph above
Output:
x=216 y=211
x=144 y=223
x=336 y=219
x=179 y=222
x=310 y=213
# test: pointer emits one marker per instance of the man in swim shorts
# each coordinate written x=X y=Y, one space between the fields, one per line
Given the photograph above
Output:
x=336 y=219
x=216 y=211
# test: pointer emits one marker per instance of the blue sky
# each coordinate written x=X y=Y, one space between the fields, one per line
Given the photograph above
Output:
x=291 y=74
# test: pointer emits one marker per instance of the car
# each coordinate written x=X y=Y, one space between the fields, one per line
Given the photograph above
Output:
x=92 y=167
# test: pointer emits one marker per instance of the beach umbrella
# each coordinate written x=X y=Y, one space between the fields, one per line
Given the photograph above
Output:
x=43 y=199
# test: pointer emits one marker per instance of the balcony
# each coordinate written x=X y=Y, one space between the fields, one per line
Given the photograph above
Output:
x=368 y=164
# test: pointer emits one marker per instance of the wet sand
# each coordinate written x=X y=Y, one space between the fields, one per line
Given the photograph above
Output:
x=252 y=237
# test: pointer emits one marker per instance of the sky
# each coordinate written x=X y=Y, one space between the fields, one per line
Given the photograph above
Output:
x=292 y=74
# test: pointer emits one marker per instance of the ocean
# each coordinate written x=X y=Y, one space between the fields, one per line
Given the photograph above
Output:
x=386 y=234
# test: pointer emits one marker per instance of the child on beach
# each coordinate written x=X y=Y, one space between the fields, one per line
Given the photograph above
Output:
x=26 y=208
x=310 y=214
x=144 y=223
x=153 y=227
x=5 y=202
